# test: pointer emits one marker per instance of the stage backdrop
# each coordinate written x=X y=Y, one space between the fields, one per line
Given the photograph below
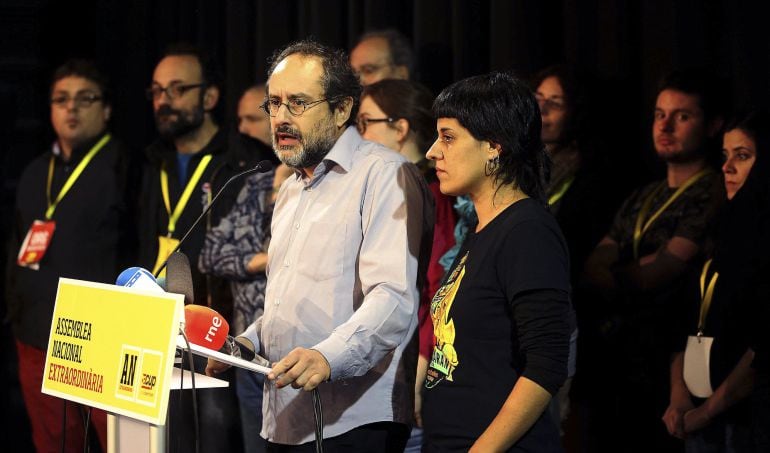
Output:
x=627 y=44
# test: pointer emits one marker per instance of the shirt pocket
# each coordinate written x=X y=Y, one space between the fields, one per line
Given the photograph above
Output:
x=323 y=253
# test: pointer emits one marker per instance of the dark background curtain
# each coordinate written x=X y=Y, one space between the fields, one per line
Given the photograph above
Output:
x=628 y=45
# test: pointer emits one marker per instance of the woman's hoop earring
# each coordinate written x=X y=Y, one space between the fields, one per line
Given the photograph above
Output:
x=492 y=165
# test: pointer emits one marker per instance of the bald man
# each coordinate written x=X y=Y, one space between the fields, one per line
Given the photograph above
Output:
x=382 y=54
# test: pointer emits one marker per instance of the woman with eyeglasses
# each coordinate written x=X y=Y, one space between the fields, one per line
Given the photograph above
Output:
x=711 y=374
x=502 y=315
x=397 y=114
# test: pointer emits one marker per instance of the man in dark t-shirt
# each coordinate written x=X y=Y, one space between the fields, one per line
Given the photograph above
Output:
x=656 y=236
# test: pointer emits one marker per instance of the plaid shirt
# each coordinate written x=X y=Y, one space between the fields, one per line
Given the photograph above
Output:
x=229 y=247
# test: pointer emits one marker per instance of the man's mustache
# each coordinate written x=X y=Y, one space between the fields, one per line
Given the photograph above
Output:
x=166 y=110
x=286 y=129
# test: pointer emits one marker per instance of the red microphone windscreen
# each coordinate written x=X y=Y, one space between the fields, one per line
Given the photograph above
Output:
x=205 y=327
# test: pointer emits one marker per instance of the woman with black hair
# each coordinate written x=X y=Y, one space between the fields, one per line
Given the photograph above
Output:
x=711 y=375
x=502 y=315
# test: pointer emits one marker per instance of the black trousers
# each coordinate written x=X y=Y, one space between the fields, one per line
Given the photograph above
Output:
x=382 y=437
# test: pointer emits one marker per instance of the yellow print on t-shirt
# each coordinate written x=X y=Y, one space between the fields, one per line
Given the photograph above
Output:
x=444 y=359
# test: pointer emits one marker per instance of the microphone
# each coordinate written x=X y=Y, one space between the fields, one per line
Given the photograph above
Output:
x=139 y=278
x=179 y=277
x=262 y=167
x=205 y=327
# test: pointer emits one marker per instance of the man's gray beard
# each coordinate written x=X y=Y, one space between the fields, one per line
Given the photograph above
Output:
x=183 y=125
x=313 y=150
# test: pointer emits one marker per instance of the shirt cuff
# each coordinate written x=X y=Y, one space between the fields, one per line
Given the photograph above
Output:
x=252 y=335
x=340 y=358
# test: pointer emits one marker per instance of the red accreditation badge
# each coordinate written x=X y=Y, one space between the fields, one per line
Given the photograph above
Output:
x=36 y=243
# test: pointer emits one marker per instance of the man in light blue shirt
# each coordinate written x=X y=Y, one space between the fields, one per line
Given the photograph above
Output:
x=350 y=233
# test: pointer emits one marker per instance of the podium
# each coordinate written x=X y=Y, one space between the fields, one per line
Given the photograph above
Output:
x=128 y=435
x=113 y=348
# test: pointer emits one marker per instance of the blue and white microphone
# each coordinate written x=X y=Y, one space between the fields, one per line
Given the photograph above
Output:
x=139 y=278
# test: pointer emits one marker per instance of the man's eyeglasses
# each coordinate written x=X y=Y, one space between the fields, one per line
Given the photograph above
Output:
x=83 y=100
x=296 y=106
x=173 y=91
x=362 y=123
x=550 y=104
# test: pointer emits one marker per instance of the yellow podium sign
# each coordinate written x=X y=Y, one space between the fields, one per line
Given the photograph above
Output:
x=113 y=348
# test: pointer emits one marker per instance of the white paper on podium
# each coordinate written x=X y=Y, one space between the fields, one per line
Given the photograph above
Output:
x=216 y=355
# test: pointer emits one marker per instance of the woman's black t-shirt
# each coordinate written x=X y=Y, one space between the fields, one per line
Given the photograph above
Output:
x=502 y=312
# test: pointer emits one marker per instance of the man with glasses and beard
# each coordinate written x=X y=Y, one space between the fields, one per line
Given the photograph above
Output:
x=351 y=234
x=191 y=160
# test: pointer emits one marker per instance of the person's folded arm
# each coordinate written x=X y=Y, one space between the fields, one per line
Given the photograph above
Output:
x=679 y=401
x=597 y=271
x=225 y=253
x=658 y=269
x=736 y=387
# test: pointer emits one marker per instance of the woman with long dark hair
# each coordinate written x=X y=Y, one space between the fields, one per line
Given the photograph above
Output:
x=711 y=376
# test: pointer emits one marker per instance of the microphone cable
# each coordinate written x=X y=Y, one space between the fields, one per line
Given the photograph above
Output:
x=87 y=424
x=64 y=427
x=194 y=395
x=318 y=415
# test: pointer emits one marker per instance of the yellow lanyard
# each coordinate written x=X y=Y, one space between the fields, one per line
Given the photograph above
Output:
x=706 y=293
x=72 y=178
x=563 y=188
x=641 y=225
x=172 y=218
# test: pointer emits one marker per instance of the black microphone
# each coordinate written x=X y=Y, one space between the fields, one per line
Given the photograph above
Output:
x=179 y=277
x=262 y=167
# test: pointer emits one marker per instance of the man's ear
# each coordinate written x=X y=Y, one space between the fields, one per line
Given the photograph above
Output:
x=210 y=98
x=402 y=130
x=342 y=111
x=107 y=113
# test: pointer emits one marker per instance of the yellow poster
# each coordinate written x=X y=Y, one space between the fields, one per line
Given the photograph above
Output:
x=113 y=348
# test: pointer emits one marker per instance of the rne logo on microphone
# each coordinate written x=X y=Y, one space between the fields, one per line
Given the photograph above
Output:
x=216 y=323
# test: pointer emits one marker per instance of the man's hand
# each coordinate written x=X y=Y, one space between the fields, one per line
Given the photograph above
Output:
x=257 y=264
x=674 y=417
x=422 y=371
x=418 y=409
x=302 y=368
x=214 y=367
